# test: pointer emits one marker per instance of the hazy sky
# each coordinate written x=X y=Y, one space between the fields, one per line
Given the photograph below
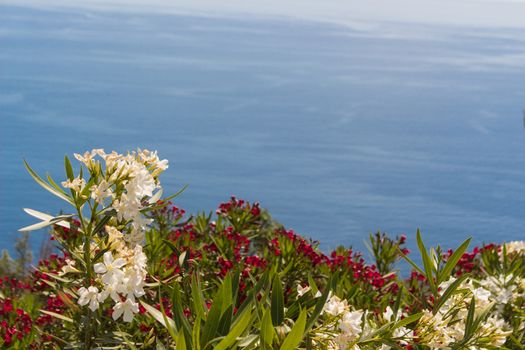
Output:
x=476 y=13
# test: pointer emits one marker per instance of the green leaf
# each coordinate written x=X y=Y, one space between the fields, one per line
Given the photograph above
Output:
x=157 y=315
x=154 y=199
x=313 y=286
x=59 y=316
x=320 y=303
x=236 y=331
x=293 y=339
x=427 y=263
x=104 y=221
x=176 y=194
x=226 y=291
x=197 y=297
x=253 y=292
x=277 y=306
x=180 y=318
x=196 y=333
x=45 y=217
x=48 y=187
x=226 y=321
x=469 y=323
x=452 y=261
x=407 y=320
x=69 y=169
x=54 y=184
x=45 y=223
x=212 y=321
x=448 y=292
x=267 y=331
x=181 y=342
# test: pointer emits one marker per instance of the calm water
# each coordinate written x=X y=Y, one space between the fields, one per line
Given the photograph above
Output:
x=338 y=131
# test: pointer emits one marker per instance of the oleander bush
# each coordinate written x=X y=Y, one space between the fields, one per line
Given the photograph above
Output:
x=130 y=270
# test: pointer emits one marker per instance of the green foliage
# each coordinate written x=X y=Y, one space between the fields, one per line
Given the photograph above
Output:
x=237 y=279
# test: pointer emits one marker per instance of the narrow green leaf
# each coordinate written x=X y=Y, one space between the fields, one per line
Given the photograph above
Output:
x=313 y=286
x=54 y=184
x=69 y=169
x=407 y=320
x=226 y=321
x=157 y=315
x=267 y=331
x=197 y=297
x=154 y=199
x=181 y=342
x=103 y=222
x=176 y=194
x=212 y=321
x=226 y=291
x=195 y=335
x=320 y=304
x=452 y=261
x=45 y=217
x=469 y=323
x=46 y=186
x=293 y=339
x=277 y=306
x=448 y=292
x=45 y=223
x=59 y=316
x=180 y=318
x=427 y=263
x=236 y=331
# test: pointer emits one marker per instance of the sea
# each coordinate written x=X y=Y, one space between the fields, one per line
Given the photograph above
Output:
x=338 y=130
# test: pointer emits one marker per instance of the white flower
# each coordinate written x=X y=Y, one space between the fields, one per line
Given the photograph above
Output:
x=77 y=184
x=132 y=284
x=350 y=324
x=142 y=182
x=387 y=315
x=302 y=290
x=515 y=247
x=101 y=191
x=140 y=259
x=115 y=238
x=127 y=207
x=88 y=157
x=150 y=157
x=335 y=306
x=128 y=308
x=69 y=267
x=89 y=295
x=111 y=291
x=110 y=269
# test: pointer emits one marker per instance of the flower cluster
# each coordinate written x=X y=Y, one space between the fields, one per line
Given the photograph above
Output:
x=126 y=183
x=447 y=326
x=122 y=279
x=347 y=325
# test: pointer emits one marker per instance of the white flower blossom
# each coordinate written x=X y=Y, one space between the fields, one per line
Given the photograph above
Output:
x=101 y=191
x=127 y=308
x=69 y=267
x=335 y=306
x=350 y=323
x=77 y=184
x=110 y=268
x=89 y=295
x=515 y=247
x=302 y=290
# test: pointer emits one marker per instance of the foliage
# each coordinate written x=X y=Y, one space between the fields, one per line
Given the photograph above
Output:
x=134 y=271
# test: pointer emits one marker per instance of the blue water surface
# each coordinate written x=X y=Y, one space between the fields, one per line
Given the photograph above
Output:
x=338 y=131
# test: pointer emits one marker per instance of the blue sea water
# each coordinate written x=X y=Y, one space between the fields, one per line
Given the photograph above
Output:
x=338 y=131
